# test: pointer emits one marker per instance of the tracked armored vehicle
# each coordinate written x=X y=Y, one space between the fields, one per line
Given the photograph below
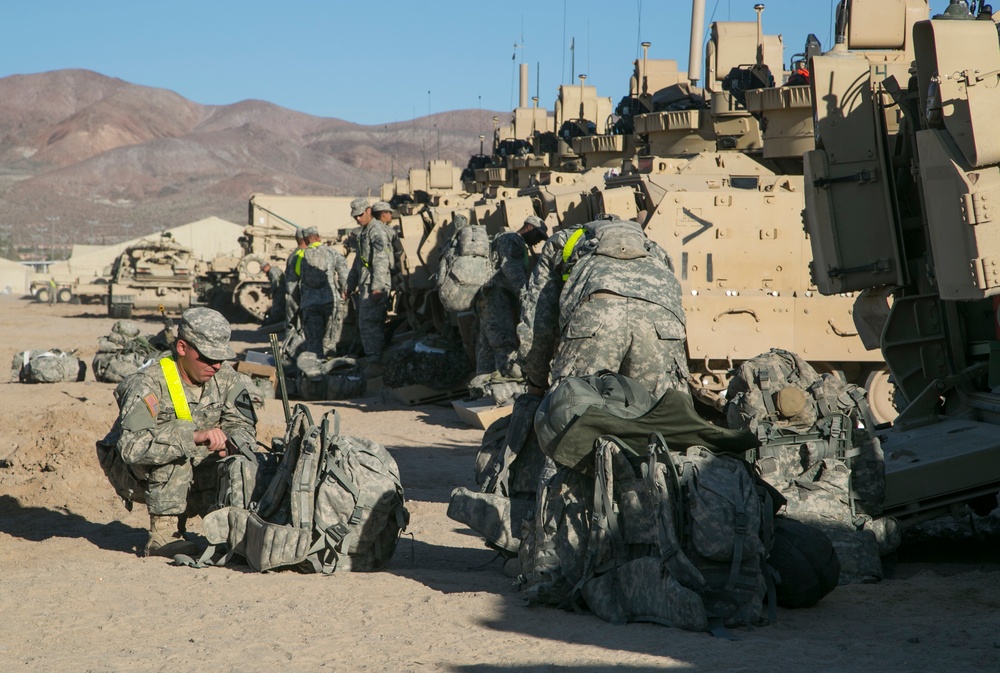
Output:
x=900 y=206
x=152 y=274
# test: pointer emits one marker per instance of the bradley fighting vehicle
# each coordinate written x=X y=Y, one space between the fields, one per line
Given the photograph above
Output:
x=903 y=208
x=716 y=175
x=153 y=274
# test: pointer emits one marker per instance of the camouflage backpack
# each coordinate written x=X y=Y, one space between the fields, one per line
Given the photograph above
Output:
x=509 y=467
x=677 y=539
x=47 y=366
x=464 y=268
x=335 y=504
x=819 y=449
x=121 y=353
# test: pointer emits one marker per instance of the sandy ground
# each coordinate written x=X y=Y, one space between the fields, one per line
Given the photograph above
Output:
x=75 y=596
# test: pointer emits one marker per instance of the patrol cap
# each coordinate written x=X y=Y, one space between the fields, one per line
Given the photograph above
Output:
x=358 y=206
x=309 y=231
x=537 y=223
x=300 y=234
x=381 y=207
x=208 y=332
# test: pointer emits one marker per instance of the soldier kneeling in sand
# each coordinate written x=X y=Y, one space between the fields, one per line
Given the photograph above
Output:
x=177 y=416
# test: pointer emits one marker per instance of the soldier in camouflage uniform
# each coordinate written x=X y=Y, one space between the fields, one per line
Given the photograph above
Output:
x=371 y=277
x=177 y=416
x=276 y=313
x=322 y=286
x=538 y=328
x=292 y=277
x=499 y=302
x=620 y=310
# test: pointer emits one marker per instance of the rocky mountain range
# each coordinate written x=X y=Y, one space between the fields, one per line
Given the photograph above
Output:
x=86 y=158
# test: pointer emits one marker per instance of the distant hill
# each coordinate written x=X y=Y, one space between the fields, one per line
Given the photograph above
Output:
x=86 y=158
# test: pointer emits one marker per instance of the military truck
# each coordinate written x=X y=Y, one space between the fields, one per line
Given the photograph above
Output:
x=152 y=274
x=900 y=208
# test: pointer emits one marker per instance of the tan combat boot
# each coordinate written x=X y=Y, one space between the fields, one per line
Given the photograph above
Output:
x=165 y=539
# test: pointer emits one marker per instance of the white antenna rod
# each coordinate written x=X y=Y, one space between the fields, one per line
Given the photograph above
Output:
x=697 y=41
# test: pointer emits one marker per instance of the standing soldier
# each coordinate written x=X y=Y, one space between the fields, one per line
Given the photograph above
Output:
x=322 y=285
x=177 y=417
x=371 y=276
x=292 y=278
x=499 y=305
x=276 y=314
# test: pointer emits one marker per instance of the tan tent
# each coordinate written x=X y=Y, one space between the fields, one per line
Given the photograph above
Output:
x=207 y=238
x=14 y=277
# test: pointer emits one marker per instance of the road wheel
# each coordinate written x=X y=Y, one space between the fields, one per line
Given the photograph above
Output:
x=882 y=396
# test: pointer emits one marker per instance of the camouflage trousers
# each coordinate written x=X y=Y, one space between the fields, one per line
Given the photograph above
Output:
x=316 y=322
x=637 y=338
x=187 y=486
x=371 y=323
x=497 y=344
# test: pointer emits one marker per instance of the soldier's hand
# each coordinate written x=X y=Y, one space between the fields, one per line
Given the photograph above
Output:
x=214 y=439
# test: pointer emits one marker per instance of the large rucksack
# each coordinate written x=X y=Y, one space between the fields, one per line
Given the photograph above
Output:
x=47 y=366
x=819 y=449
x=464 y=267
x=678 y=539
x=122 y=352
x=335 y=504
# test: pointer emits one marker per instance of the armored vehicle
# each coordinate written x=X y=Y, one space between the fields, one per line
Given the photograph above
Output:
x=900 y=208
x=153 y=274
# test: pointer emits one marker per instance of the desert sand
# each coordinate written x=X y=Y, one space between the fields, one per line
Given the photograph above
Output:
x=76 y=596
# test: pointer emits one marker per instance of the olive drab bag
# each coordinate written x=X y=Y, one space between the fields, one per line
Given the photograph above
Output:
x=335 y=504
x=464 y=268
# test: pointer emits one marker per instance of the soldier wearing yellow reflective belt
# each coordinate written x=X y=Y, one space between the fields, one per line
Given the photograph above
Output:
x=177 y=416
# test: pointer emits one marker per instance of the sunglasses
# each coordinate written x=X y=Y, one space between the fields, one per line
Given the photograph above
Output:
x=204 y=360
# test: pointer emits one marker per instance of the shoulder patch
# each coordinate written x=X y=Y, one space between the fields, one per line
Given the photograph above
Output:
x=244 y=405
x=152 y=404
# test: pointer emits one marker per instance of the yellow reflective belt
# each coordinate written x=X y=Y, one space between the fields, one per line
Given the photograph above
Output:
x=568 y=249
x=300 y=254
x=176 y=388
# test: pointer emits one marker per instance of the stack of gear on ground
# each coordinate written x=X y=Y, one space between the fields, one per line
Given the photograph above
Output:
x=47 y=366
x=831 y=471
x=434 y=362
x=642 y=511
x=333 y=379
x=123 y=351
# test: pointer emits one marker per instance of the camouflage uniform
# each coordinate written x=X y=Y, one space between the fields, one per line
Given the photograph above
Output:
x=278 y=295
x=292 y=284
x=372 y=273
x=177 y=476
x=499 y=306
x=538 y=328
x=622 y=313
x=323 y=279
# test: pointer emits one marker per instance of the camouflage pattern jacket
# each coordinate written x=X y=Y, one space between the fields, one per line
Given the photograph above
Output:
x=149 y=432
x=538 y=330
x=292 y=283
x=509 y=253
x=323 y=278
x=372 y=270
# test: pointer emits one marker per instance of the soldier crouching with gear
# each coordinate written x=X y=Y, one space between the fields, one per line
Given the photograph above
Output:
x=620 y=310
x=499 y=305
x=177 y=416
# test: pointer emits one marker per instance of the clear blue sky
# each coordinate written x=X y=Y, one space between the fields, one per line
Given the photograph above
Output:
x=373 y=61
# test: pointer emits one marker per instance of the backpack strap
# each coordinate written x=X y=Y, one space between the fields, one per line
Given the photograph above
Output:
x=765 y=377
